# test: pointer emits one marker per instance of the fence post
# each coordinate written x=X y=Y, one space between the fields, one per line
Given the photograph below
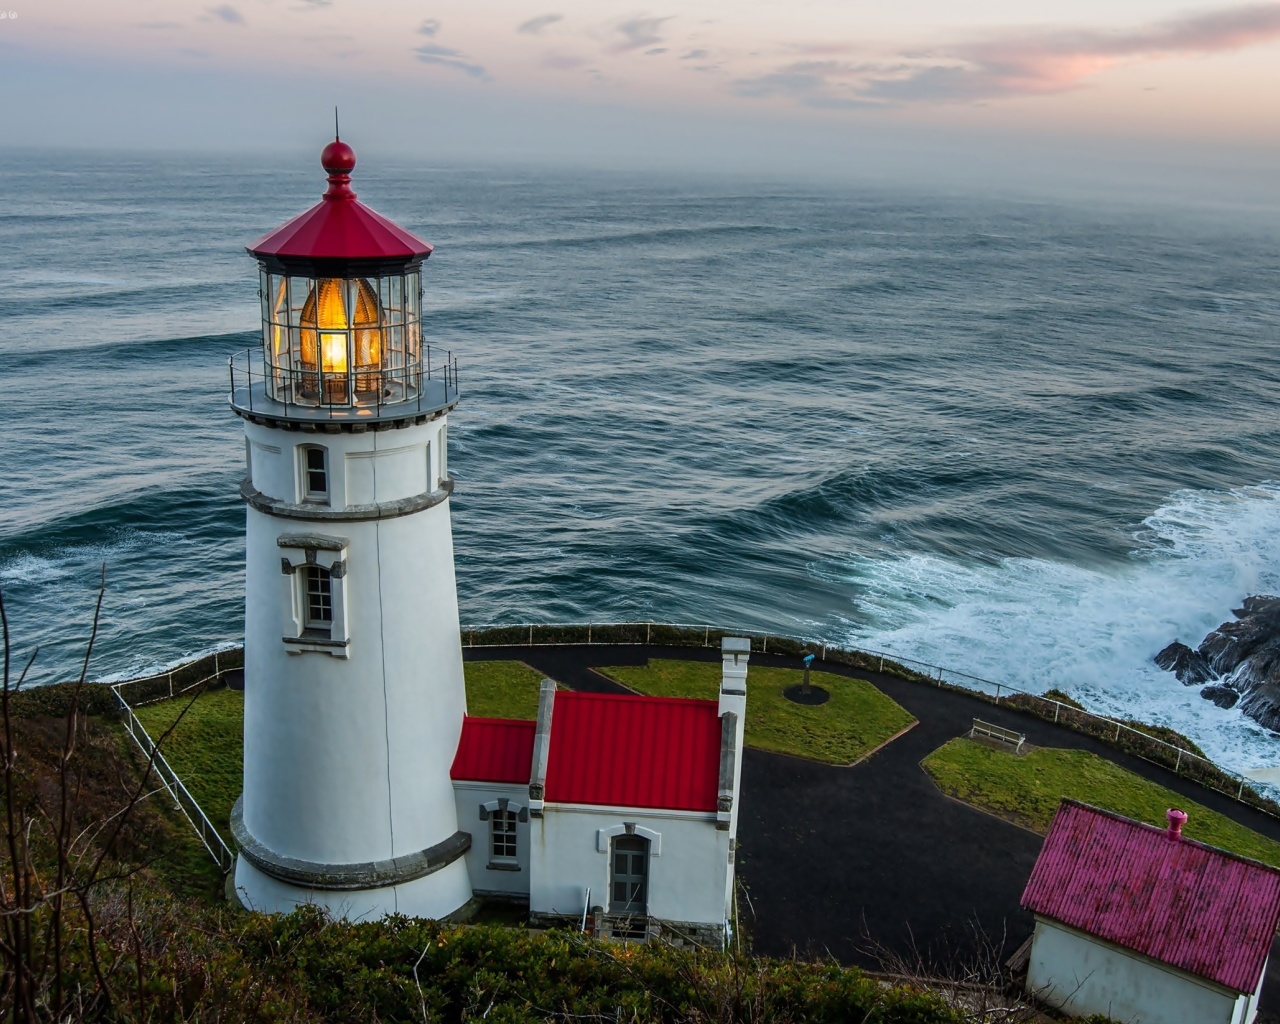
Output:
x=706 y=637
x=997 y=693
x=1057 y=707
x=1117 y=739
x=764 y=646
x=170 y=683
x=824 y=652
x=1178 y=763
x=648 y=632
x=588 y=633
x=531 y=634
x=1240 y=791
x=882 y=664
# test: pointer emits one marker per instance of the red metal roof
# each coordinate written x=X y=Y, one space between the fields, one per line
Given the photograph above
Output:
x=622 y=751
x=494 y=750
x=1186 y=904
x=340 y=227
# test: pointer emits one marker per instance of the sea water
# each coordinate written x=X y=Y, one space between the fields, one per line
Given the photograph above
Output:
x=1030 y=439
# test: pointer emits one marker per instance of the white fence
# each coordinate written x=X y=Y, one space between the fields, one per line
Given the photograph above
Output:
x=182 y=798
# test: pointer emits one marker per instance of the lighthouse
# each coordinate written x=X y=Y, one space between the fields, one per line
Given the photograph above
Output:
x=354 y=696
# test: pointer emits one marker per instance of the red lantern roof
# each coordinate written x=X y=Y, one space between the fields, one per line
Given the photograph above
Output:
x=340 y=227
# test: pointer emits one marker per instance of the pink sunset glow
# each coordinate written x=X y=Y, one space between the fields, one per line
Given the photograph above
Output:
x=1148 y=70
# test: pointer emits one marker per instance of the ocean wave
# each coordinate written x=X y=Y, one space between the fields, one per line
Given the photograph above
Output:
x=1038 y=623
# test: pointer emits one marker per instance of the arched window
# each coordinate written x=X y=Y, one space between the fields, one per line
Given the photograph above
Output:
x=314 y=466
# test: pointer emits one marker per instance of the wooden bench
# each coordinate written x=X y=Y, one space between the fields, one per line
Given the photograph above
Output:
x=998 y=734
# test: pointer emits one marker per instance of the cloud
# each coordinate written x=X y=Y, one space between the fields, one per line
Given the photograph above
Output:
x=314 y=5
x=445 y=56
x=563 y=61
x=1053 y=62
x=811 y=83
x=695 y=55
x=535 y=25
x=1028 y=63
x=227 y=13
x=655 y=51
x=429 y=27
x=638 y=34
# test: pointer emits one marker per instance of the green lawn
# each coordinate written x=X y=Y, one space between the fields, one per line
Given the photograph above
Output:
x=502 y=689
x=1027 y=790
x=856 y=719
x=206 y=748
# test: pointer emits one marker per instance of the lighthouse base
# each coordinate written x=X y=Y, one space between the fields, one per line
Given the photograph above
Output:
x=436 y=895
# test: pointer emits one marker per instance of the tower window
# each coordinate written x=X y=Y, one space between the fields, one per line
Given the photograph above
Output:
x=315 y=473
x=502 y=835
x=319 y=611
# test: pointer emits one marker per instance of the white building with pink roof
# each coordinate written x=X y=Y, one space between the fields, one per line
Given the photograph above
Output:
x=1145 y=926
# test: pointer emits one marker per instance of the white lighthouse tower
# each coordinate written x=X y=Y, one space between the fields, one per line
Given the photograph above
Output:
x=354 y=694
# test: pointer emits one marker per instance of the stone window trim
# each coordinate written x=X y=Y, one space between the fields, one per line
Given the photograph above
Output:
x=504 y=804
x=298 y=551
x=630 y=828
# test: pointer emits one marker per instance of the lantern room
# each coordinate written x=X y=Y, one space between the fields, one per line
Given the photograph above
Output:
x=341 y=294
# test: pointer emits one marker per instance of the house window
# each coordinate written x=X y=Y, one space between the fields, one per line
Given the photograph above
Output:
x=502 y=835
x=319 y=600
x=315 y=473
x=629 y=887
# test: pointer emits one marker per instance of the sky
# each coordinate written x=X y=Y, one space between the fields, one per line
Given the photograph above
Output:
x=1143 y=88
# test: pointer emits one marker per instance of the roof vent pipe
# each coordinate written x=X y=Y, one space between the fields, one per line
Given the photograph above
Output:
x=1177 y=819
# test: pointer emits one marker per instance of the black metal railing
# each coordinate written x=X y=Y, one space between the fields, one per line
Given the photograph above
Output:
x=310 y=393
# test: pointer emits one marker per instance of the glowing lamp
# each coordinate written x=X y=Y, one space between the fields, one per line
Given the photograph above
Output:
x=341 y=296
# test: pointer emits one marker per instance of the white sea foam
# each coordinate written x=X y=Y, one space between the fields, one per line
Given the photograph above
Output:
x=28 y=568
x=1037 y=624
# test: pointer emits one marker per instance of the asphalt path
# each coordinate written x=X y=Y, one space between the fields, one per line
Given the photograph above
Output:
x=856 y=862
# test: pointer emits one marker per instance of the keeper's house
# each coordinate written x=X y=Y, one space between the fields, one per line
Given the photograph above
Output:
x=1145 y=926
x=617 y=813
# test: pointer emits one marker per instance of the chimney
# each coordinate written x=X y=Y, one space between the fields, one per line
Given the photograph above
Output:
x=1177 y=819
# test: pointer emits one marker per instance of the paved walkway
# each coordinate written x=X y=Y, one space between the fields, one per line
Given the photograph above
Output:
x=836 y=858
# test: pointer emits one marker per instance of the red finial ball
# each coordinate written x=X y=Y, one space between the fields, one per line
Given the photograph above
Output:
x=338 y=158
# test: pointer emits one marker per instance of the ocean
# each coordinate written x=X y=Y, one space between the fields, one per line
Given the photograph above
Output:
x=1033 y=439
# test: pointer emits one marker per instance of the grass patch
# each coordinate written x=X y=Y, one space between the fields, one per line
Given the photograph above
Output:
x=206 y=748
x=502 y=689
x=856 y=719
x=1027 y=790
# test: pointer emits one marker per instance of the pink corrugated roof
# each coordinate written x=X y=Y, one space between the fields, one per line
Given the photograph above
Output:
x=621 y=751
x=494 y=750
x=1186 y=904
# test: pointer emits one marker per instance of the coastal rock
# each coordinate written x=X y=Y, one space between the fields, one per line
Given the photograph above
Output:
x=1223 y=696
x=1188 y=665
x=1245 y=654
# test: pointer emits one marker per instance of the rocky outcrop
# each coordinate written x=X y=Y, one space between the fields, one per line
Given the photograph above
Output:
x=1243 y=659
x=1223 y=696
x=1188 y=665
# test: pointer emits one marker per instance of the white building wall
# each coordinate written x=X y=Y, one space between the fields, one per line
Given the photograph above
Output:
x=346 y=759
x=1082 y=975
x=486 y=877
x=687 y=864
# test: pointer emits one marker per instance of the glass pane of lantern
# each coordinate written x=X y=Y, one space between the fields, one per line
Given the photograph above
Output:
x=300 y=289
x=395 y=303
